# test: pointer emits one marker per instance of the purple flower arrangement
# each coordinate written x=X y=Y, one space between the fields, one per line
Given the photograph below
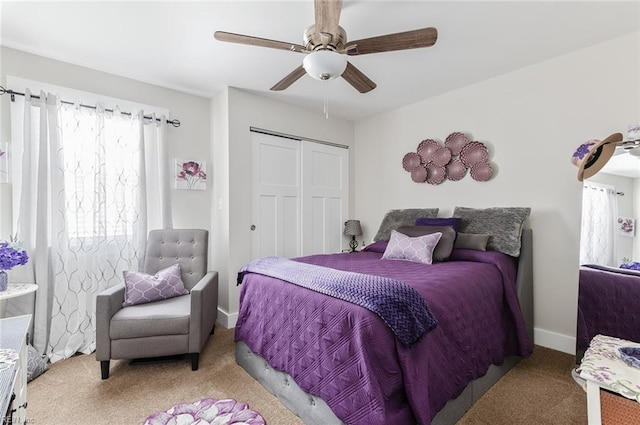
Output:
x=11 y=256
x=630 y=265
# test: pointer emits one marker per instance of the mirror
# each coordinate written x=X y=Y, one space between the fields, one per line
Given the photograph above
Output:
x=608 y=235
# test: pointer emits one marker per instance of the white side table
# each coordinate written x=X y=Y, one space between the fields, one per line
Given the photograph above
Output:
x=13 y=379
x=603 y=368
x=15 y=290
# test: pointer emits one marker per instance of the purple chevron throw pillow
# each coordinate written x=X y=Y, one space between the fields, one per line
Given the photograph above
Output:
x=140 y=288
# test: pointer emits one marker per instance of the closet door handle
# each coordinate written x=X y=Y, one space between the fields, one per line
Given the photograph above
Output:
x=253 y=227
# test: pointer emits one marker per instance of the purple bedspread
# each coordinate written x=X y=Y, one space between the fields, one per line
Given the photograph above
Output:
x=400 y=306
x=346 y=355
x=608 y=303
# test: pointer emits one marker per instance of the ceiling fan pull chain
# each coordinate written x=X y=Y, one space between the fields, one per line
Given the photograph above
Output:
x=326 y=99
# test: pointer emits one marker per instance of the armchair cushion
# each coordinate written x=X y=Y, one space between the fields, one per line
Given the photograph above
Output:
x=166 y=317
x=143 y=288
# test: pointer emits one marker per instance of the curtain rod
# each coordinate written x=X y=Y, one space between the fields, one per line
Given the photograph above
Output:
x=612 y=190
x=174 y=122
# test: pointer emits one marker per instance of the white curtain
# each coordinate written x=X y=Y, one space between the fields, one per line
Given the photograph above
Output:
x=597 y=236
x=92 y=184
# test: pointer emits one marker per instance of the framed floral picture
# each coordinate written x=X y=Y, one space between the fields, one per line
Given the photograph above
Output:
x=626 y=226
x=191 y=174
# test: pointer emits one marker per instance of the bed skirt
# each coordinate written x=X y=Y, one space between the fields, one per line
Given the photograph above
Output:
x=314 y=411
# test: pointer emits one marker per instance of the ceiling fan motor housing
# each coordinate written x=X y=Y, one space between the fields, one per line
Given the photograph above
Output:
x=313 y=41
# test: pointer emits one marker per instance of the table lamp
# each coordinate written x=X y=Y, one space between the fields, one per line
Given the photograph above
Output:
x=352 y=228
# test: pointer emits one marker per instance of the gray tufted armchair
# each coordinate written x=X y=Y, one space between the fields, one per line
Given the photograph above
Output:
x=173 y=326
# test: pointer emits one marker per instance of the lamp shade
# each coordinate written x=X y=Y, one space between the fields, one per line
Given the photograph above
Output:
x=352 y=228
x=324 y=64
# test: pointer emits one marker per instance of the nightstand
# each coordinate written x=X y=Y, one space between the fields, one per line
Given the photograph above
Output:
x=603 y=370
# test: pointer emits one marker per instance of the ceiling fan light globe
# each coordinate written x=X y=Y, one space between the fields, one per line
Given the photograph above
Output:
x=324 y=64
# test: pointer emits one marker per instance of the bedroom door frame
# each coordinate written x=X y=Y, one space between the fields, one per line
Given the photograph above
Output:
x=300 y=195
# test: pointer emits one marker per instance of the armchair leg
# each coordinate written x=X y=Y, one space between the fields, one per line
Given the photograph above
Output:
x=104 y=368
x=213 y=329
x=195 y=358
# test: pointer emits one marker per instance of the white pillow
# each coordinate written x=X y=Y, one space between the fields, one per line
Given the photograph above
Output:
x=418 y=249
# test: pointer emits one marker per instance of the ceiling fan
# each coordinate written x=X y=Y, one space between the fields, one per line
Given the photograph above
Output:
x=325 y=44
x=628 y=146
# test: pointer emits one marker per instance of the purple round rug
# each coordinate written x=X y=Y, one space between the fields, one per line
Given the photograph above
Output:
x=207 y=411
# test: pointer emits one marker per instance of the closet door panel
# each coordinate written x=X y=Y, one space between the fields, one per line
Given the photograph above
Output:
x=325 y=183
x=276 y=202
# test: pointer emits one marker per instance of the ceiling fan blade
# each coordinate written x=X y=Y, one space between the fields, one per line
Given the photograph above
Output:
x=414 y=39
x=289 y=79
x=257 y=41
x=327 y=14
x=357 y=79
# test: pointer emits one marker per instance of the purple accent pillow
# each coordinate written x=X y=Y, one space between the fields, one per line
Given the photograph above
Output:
x=439 y=221
x=418 y=249
x=377 y=246
x=140 y=288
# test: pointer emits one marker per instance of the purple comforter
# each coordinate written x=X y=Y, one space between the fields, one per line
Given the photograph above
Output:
x=347 y=355
x=608 y=303
x=400 y=306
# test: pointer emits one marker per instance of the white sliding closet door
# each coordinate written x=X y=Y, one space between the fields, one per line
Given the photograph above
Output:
x=325 y=195
x=299 y=196
x=276 y=197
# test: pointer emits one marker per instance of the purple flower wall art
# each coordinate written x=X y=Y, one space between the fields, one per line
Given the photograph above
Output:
x=626 y=226
x=191 y=174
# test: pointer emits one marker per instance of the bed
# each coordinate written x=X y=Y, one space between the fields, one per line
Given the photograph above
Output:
x=333 y=362
x=608 y=302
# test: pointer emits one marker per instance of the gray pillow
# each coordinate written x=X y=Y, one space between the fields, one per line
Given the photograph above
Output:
x=36 y=364
x=444 y=247
x=471 y=241
x=502 y=224
x=396 y=218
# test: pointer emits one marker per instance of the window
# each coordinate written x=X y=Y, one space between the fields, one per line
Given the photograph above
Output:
x=101 y=162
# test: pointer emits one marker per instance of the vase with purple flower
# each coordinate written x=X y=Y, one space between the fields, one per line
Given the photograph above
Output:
x=11 y=255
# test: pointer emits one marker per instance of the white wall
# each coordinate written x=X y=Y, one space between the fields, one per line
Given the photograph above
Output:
x=190 y=140
x=532 y=119
x=235 y=111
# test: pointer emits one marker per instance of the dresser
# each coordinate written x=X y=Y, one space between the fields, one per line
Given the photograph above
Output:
x=13 y=375
x=608 y=304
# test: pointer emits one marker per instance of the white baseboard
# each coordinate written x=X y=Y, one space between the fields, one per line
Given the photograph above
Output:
x=555 y=341
x=228 y=320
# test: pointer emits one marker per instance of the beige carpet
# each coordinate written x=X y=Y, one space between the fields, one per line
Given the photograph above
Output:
x=538 y=391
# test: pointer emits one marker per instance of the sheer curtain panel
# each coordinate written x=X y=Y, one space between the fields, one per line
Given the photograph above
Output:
x=597 y=236
x=92 y=183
